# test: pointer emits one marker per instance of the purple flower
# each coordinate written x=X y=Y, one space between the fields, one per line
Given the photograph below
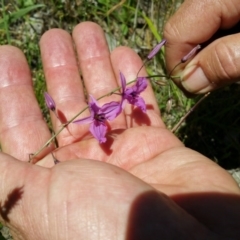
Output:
x=49 y=102
x=99 y=116
x=131 y=94
x=190 y=54
x=156 y=49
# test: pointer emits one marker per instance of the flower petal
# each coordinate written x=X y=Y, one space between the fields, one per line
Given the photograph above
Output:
x=141 y=84
x=123 y=81
x=93 y=105
x=135 y=100
x=111 y=110
x=139 y=102
x=99 y=130
x=123 y=103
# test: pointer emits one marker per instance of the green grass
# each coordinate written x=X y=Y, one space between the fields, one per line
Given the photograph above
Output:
x=213 y=127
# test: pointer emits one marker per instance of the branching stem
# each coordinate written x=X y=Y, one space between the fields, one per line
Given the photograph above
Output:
x=174 y=129
x=72 y=119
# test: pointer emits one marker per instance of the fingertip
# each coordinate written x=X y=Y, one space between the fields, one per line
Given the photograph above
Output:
x=51 y=33
x=13 y=58
x=86 y=26
x=9 y=50
x=56 y=46
x=126 y=60
x=90 y=41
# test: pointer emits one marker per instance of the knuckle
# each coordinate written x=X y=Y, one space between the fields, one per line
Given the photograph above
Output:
x=170 y=30
x=227 y=62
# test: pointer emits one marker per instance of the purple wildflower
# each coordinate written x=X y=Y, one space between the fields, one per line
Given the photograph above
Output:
x=99 y=116
x=190 y=54
x=49 y=102
x=131 y=94
x=156 y=49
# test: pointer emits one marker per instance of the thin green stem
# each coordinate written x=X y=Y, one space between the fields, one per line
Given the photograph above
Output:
x=174 y=129
x=169 y=75
x=72 y=119
x=144 y=63
x=108 y=94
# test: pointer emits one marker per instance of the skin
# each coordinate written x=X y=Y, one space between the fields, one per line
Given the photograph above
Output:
x=141 y=184
x=210 y=25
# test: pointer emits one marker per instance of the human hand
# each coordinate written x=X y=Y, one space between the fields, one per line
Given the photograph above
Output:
x=141 y=184
x=196 y=22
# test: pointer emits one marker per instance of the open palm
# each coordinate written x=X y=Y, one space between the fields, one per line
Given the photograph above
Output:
x=141 y=184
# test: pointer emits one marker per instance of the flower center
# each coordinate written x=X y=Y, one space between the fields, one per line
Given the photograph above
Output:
x=100 y=117
x=134 y=94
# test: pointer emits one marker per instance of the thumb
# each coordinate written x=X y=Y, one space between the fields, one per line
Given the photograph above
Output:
x=215 y=66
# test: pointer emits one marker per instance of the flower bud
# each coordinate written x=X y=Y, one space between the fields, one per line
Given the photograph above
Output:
x=156 y=49
x=190 y=54
x=49 y=102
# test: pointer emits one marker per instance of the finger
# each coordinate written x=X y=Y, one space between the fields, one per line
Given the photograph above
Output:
x=95 y=65
x=63 y=82
x=196 y=22
x=128 y=62
x=215 y=66
x=22 y=128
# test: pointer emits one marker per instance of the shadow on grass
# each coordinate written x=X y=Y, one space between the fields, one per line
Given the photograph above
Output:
x=213 y=129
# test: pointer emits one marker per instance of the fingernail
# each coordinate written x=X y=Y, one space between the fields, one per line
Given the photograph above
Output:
x=194 y=79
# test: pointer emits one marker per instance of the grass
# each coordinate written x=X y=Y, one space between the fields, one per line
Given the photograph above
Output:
x=212 y=128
